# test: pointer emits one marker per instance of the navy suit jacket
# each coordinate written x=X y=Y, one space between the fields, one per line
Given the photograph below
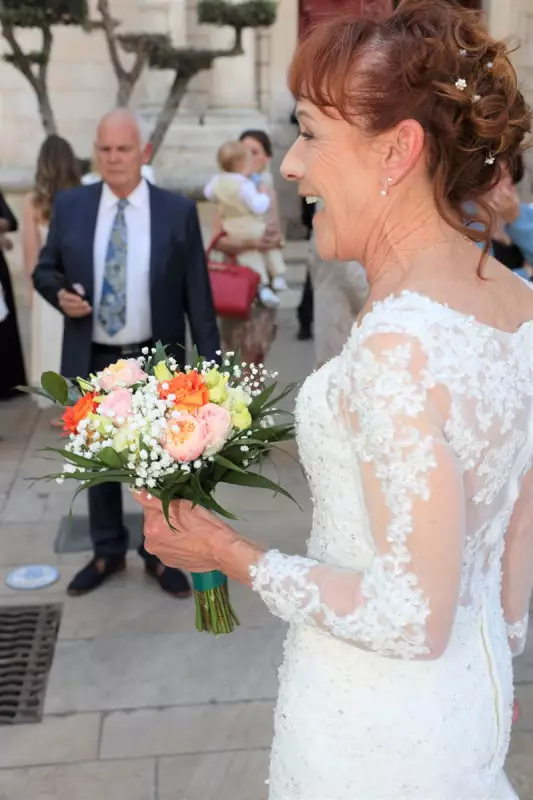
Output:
x=179 y=280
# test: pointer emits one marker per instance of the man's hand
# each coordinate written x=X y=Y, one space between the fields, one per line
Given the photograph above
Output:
x=72 y=305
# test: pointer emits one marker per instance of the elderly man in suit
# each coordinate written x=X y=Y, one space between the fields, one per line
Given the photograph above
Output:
x=124 y=262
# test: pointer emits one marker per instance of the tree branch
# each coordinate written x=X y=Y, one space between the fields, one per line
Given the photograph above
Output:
x=46 y=50
x=109 y=25
x=21 y=61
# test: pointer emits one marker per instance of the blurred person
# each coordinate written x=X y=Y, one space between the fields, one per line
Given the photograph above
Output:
x=305 y=310
x=340 y=290
x=512 y=238
x=125 y=264
x=253 y=337
x=242 y=206
x=57 y=169
x=13 y=373
x=259 y=145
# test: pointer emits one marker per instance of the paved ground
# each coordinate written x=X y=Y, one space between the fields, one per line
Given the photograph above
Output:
x=140 y=706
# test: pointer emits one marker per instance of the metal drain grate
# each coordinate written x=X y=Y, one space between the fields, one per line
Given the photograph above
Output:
x=28 y=637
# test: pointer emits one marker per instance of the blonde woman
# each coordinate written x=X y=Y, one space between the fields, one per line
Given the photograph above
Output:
x=57 y=169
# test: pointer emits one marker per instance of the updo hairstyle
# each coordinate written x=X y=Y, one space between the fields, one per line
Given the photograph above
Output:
x=434 y=62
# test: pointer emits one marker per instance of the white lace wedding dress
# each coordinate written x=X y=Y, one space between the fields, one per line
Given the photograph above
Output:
x=397 y=677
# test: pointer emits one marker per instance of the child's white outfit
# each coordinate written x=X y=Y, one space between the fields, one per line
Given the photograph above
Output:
x=242 y=210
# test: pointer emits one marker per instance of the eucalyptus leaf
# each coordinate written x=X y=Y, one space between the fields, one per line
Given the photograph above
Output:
x=56 y=386
x=34 y=390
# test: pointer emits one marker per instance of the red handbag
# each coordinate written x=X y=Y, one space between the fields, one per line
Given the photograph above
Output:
x=234 y=287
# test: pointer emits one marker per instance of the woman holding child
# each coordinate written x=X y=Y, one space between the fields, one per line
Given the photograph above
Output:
x=253 y=239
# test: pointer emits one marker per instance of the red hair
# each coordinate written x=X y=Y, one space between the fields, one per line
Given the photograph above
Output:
x=374 y=74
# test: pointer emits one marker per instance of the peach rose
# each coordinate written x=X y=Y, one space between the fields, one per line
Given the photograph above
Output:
x=185 y=438
x=117 y=405
x=125 y=372
x=219 y=425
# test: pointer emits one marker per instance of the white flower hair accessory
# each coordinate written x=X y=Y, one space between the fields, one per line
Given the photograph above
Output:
x=461 y=84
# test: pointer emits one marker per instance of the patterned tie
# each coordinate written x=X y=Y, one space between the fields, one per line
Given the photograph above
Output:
x=112 y=310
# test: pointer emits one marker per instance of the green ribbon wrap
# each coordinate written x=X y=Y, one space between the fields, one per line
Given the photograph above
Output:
x=205 y=581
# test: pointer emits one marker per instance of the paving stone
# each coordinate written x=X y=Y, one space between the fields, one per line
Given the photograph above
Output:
x=20 y=540
x=235 y=775
x=187 y=730
x=108 y=780
x=134 y=604
x=145 y=671
x=55 y=740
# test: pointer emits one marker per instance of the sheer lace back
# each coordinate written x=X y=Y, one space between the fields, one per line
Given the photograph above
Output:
x=415 y=458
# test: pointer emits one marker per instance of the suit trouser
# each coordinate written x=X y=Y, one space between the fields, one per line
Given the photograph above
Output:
x=109 y=535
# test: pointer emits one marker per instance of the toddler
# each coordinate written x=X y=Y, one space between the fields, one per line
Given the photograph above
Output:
x=242 y=207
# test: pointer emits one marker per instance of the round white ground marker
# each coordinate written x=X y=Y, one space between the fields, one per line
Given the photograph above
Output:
x=33 y=576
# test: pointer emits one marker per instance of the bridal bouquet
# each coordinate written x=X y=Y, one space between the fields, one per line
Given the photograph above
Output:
x=174 y=433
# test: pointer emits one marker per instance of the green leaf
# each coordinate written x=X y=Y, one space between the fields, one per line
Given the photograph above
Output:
x=211 y=504
x=225 y=462
x=34 y=390
x=74 y=393
x=110 y=458
x=261 y=400
x=56 y=386
x=159 y=355
x=256 y=481
x=276 y=433
x=73 y=457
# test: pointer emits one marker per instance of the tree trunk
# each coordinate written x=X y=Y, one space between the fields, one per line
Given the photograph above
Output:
x=45 y=109
x=168 y=111
x=125 y=91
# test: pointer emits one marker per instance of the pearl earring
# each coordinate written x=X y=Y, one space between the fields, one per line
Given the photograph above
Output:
x=385 y=191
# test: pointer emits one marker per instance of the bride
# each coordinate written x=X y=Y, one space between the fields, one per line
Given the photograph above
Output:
x=417 y=440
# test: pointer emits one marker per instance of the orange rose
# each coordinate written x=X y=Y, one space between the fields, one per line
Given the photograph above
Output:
x=189 y=389
x=74 y=414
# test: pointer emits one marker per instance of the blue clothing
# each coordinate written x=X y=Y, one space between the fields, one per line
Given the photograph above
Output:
x=521 y=234
x=521 y=231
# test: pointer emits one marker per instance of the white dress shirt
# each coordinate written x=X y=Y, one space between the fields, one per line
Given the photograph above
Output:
x=138 y=327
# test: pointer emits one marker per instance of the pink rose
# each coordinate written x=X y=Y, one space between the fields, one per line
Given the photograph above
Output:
x=219 y=425
x=125 y=372
x=185 y=438
x=117 y=405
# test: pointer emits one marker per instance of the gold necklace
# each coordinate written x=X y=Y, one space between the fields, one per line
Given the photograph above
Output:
x=443 y=241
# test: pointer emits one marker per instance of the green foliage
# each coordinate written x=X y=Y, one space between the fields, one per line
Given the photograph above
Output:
x=248 y=14
x=43 y=13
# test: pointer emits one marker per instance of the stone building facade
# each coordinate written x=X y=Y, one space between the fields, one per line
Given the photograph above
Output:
x=246 y=91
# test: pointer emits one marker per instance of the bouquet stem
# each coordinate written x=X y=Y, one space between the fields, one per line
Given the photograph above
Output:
x=214 y=613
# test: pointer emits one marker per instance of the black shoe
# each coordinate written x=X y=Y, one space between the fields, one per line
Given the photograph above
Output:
x=304 y=333
x=172 y=581
x=95 y=573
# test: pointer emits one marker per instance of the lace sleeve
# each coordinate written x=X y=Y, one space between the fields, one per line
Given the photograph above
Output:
x=517 y=578
x=403 y=605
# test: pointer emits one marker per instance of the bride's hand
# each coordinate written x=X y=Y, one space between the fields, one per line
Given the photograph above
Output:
x=196 y=537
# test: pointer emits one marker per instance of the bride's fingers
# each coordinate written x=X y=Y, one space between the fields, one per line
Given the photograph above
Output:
x=147 y=501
